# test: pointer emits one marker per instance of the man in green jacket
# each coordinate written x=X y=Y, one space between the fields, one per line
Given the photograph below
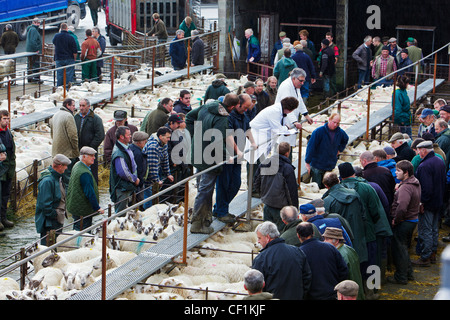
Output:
x=159 y=29
x=206 y=153
x=157 y=118
x=334 y=236
x=443 y=138
x=284 y=66
x=34 y=44
x=82 y=194
x=51 y=199
x=289 y=215
x=187 y=26
x=414 y=52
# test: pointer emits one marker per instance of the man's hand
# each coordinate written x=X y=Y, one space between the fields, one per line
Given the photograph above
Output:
x=137 y=181
x=309 y=119
x=298 y=125
x=170 y=177
x=101 y=211
x=308 y=167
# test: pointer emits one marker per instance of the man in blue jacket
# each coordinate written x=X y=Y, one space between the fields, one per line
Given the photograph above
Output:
x=304 y=62
x=286 y=271
x=65 y=55
x=431 y=174
x=323 y=147
x=177 y=51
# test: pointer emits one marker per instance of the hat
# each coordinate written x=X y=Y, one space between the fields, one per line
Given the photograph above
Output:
x=427 y=144
x=175 y=118
x=405 y=51
x=428 y=136
x=325 y=42
x=286 y=40
x=282 y=34
x=384 y=39
x=140 y=136
x=220 y=76
x=389 y=151
x=410 y=39
x=120 y=115
x=220 y=99
x=333 y=233
x=346 y=170
x=396 y=136
x=347 y=288
x=317 y=203
x=416 y=142
x=307 y=209
x=426 y=112
x=249 y=84
x=61 y=159
x=87 y=151
x=392 y=40
x=253 y=97
x=445 y=108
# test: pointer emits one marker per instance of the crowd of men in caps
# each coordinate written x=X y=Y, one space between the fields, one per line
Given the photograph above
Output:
x=319 y=250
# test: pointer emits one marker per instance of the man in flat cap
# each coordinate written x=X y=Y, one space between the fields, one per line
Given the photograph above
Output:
x=51 y=199
x=277 y=46
x=401 y=147
x=427 y=119
x=347 y=290
x=82 y=194
x=120 y=119
x=431 y=174
x=139 y=140
x=335 y=237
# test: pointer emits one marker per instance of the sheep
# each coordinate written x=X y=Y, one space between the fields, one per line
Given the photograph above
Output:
x=7 y=286
x=49 y=276
x=138 y=244
x=232 y=272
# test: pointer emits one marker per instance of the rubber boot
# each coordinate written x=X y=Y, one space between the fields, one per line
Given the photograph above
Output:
x=2 y=227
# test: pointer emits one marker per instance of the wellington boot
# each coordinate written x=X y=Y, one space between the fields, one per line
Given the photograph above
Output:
x=2 y=227
x=7 y=224
x=199 y=227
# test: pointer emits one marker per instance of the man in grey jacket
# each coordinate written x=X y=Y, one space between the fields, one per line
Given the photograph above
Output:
x=363 y=57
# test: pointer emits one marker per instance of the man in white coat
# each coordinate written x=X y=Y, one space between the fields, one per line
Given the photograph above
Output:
x=291 y=88
x=268 y=124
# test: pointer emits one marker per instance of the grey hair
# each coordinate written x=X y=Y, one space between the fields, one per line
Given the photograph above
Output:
x=96 y=29
x=254 y=280
x=298 y=72
x=268 y=228
x=9 y=26
x=367 y=38
x=289 y=213
x=179 y=31
x=368 y=156
x=85 y=99
x=442 y=123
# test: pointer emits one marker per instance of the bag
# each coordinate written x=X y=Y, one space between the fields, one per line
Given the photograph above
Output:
x=99 y=52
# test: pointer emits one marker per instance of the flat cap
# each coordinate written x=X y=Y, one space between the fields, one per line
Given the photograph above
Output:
x=427 y=144
x=392 y=40
x=249 y=84
x=140 y=136
x=120 y=115
x=333 y=233
x=61 y=159
x=396 y=136
x=389 y=151
x=347 y=288
x=282 y=34
x=87 y=150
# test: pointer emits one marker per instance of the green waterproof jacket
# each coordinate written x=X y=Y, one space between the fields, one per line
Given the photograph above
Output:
x=34 y=40
x=347 y=203
x=377 y=223
x=206 y=148
x=354 y=272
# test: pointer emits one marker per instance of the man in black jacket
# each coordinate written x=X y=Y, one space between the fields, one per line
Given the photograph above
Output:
x=402 y=149
x=286 y=271
x=198 y=50
x=91 y=131
x=328 y=69
x=276 y=183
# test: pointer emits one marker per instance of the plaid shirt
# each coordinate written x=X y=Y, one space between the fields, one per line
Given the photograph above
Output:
x=157 y=158
x=383 y=66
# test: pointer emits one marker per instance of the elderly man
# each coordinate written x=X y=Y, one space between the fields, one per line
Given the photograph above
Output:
x=91 y=131
x=51 y=199
x=327 y=265
x=363 y=57
x=401 y=147
x=427 y=118
x=9 y=40
x=64 y=134
x=213 y=115
x=384 y=65
x=323 y=148
x=272 y=89
x=82 y=194
x=286 y=271
x=198 y=50
x=414 y=52
x=123 y=179
x=65 y=55
x=139 y=141
x=254 y=284
x=177 y=51
x=254 y=50
x=120 y=119
x=431 y=174
x=156 y=150
x=443 y=138
x=347 y=290
x=277 y=46
x=290 y=217
x=335 y=237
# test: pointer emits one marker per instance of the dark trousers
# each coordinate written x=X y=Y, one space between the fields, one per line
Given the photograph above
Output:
x=87 y=222
x=6 y=192
x=273 y=215
x=55 y=226
x=33 y=67
x=227 y=187
x=402 y=234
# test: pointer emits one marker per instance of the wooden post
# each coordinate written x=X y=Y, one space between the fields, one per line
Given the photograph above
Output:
x=368 y=113
x=9 y=97
x=434 y=74
x=299 y=175
x=153 y=67
x=188 y=57
x=105 y=231
x=64 y=83
x=416 y=82
x=112 y=79
x=393 y=97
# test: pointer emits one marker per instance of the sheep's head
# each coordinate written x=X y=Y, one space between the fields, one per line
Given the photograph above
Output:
x=148 y=228
x=179 y=219
x=157 y=232
x=51 y=259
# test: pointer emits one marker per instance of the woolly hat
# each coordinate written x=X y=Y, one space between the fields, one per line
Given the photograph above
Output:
x=346 y=170
x=333 y=233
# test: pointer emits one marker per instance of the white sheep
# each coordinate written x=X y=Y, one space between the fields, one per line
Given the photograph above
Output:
x=49 y=276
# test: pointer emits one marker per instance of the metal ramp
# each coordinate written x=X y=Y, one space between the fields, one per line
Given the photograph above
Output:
x=156 y=257
x=35 y=117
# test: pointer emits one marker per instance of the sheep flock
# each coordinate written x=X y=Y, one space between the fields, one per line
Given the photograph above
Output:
x=210 y=272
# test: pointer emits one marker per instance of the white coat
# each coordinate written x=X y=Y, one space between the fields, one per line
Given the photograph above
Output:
x=266 y=126
x=287 y=89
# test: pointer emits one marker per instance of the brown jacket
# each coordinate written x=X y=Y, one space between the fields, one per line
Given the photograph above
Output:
x=406 y=201
x=89 y=49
